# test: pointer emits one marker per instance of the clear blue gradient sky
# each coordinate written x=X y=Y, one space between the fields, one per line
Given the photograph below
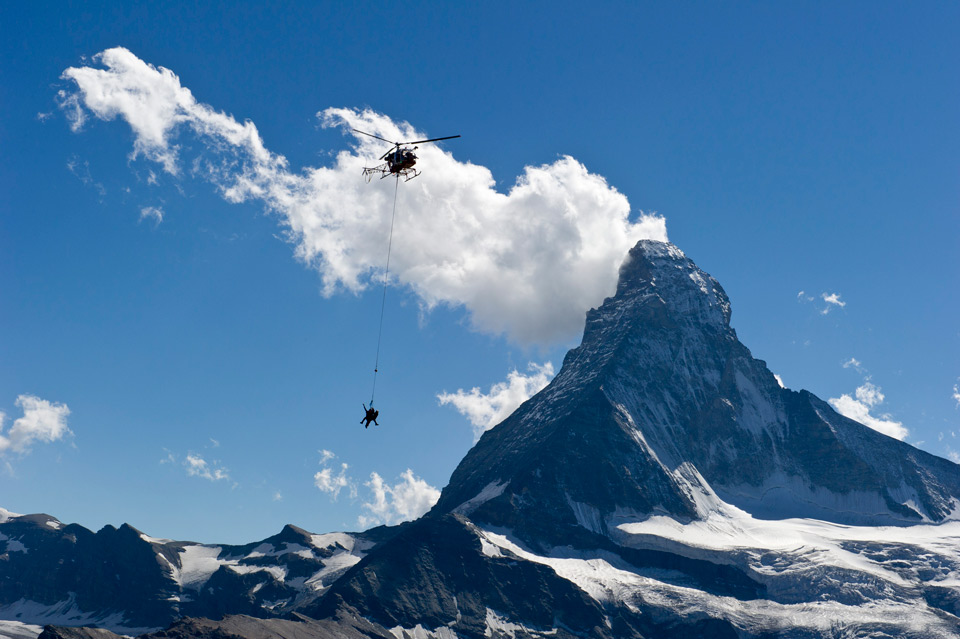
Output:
x=808 y=147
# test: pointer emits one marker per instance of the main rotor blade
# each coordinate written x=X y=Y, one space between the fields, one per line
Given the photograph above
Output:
x=375 y=136
x=449 y=137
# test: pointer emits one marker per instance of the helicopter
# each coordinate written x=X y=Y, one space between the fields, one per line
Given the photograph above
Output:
x=400 y=160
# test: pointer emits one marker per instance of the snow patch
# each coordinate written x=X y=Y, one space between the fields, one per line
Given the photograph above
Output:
x=335 y=566
x=419 y=632
x=587 y=516
x=277 y=572
x=345 y=541
x=490 y=491
x=19 y=630
x=606 y=578
x=498 y=626
x=197 y=564
x=757 y=412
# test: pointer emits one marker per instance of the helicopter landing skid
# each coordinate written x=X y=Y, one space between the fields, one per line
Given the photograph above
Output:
x=384 y=171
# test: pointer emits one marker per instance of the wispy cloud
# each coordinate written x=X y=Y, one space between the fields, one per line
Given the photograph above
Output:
x=830 y=301
x=328 y=480
x=407 y=499
x=154 y=213
x=197 y=466
x=860 y=406
x=956 y=394
x=855 y=364
x=81 y=169
x=42 y=421
x=486 y=410
x=527 y=263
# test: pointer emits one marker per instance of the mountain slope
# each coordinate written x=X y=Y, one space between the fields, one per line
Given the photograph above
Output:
x=662 y=421
x=661 y=409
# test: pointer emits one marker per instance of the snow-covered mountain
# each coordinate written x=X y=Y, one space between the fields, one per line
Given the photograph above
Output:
x=662 y=485
x=127 y=581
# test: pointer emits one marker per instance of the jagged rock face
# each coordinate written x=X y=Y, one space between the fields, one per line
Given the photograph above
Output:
x=127 y=581
x=661 y=409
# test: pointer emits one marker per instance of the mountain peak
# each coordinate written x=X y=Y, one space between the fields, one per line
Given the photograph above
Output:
x=661 y=409
x=662 y=269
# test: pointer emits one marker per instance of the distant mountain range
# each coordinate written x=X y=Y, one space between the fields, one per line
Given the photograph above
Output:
x=662 y=485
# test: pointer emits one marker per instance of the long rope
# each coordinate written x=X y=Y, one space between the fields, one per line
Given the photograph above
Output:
x=383 y=302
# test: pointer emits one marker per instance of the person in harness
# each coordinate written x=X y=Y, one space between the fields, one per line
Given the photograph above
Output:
x=371 y=416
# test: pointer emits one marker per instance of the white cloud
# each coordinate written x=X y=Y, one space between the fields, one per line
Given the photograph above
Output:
x=803 y=297
x=332 y=484
x=954 y=456
x=868 y=397
x=956 y=394
x=408 y=499
x=779 y=380
x=486 y=410
x=277 y=496
x=42 y=421
x=528 y=263
x=154 y=213
x=854 y=363
x=832 y=299
x=198 y=467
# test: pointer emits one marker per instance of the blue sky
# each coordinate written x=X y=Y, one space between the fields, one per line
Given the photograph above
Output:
x=207 y=358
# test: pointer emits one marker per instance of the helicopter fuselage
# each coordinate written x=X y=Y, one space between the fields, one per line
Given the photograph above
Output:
x=401 y=160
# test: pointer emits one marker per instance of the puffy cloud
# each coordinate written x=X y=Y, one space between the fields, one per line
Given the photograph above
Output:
x=527 y=263
x=956 y=394
x=42 y=421
x=408 y=499
x=154 y=213
x=331 y=483
x=858 y=408
x=197 y=466
x=486 y=410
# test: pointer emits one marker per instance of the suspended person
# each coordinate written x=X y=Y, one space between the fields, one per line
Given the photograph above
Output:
x=371 y=416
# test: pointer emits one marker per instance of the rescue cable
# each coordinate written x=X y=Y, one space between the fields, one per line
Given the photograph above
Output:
x=383 y=302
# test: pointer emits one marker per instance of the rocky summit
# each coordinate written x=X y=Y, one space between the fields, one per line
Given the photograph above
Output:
x=663 y=484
